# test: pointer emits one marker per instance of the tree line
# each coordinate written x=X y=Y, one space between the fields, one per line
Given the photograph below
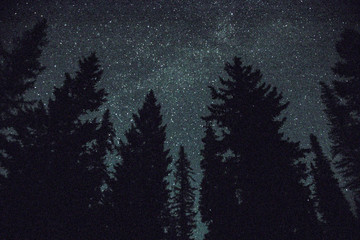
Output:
x=54 y=157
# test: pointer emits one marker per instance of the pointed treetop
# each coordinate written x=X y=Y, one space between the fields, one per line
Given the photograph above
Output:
x=181 y=152
x=80 y=94
x=150 y=97
x=151 y=93
x=90 y=65
x=28 y=49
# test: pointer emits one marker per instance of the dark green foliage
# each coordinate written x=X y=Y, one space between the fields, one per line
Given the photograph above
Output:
x=261 y=163
x=342 y=101
x=139 y=192
x=183 y=201
x=339 y=222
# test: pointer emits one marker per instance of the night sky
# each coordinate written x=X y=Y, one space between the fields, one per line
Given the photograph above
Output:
x=178 y=48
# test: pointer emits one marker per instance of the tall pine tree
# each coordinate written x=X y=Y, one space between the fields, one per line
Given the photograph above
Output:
x=61 y=166
x=218 y=202
x=26 y=184
x=78 y=144
x=139 y=190
x=184 y=198
x=103 y=148
x=339 y=222
x=342 y=101
x=274 y=204
x=19 y=69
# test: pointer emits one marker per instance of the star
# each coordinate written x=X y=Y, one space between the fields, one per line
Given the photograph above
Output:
x=178 y=48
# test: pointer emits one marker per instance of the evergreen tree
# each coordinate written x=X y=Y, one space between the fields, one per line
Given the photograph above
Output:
x=342 y=103
x=339 y=222
x=139 y=191
x=104 y=147
x=218 y=203
x=18 y=71
x=61 y=169
x=274 y=204
x=183 y=208
x=26 y=184
x=78 y=144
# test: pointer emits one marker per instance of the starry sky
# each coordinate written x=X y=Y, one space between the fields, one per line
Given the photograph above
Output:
x=179 y=47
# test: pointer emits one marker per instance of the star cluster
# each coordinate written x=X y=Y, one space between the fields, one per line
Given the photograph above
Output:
x=178 y=48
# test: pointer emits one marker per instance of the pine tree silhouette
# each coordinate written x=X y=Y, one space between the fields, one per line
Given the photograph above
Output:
x=18 y=71
x=104 y=146
x=342 y=108
x=28 y=176
x=60 y=168
x=20 y=67
x=218 y=203
x=274 y=204
x=78 y=149
x=339 y=221
x=183 y=207
x=139 y=191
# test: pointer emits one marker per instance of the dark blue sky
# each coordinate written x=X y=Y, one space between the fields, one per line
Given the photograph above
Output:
x=178 y=48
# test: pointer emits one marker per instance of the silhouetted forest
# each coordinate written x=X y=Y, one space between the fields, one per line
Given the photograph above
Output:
x=54 y=156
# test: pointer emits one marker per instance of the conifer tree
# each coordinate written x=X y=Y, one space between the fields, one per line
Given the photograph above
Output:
x=183 y=208
x=103 y=148
x=139 y=191
x=342 y=109
x=28 y=176
x=61 y=166
x=218 y=203
x=78 y=145
x=339 y=222
x=274 y=204
x=18 y=71
x=19 y=68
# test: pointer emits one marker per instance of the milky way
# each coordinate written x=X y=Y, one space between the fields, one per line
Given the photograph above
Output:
x=178 y=48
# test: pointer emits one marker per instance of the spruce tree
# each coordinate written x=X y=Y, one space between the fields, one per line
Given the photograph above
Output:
x=274 y=204
x=103 y=148
x=342 y=103
x=19 y=69
x=218 y=202
x=139 y=190
x=78 y=148
x=61 y=166
x=26 y=197
x=183 y=208
x=339 y=222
